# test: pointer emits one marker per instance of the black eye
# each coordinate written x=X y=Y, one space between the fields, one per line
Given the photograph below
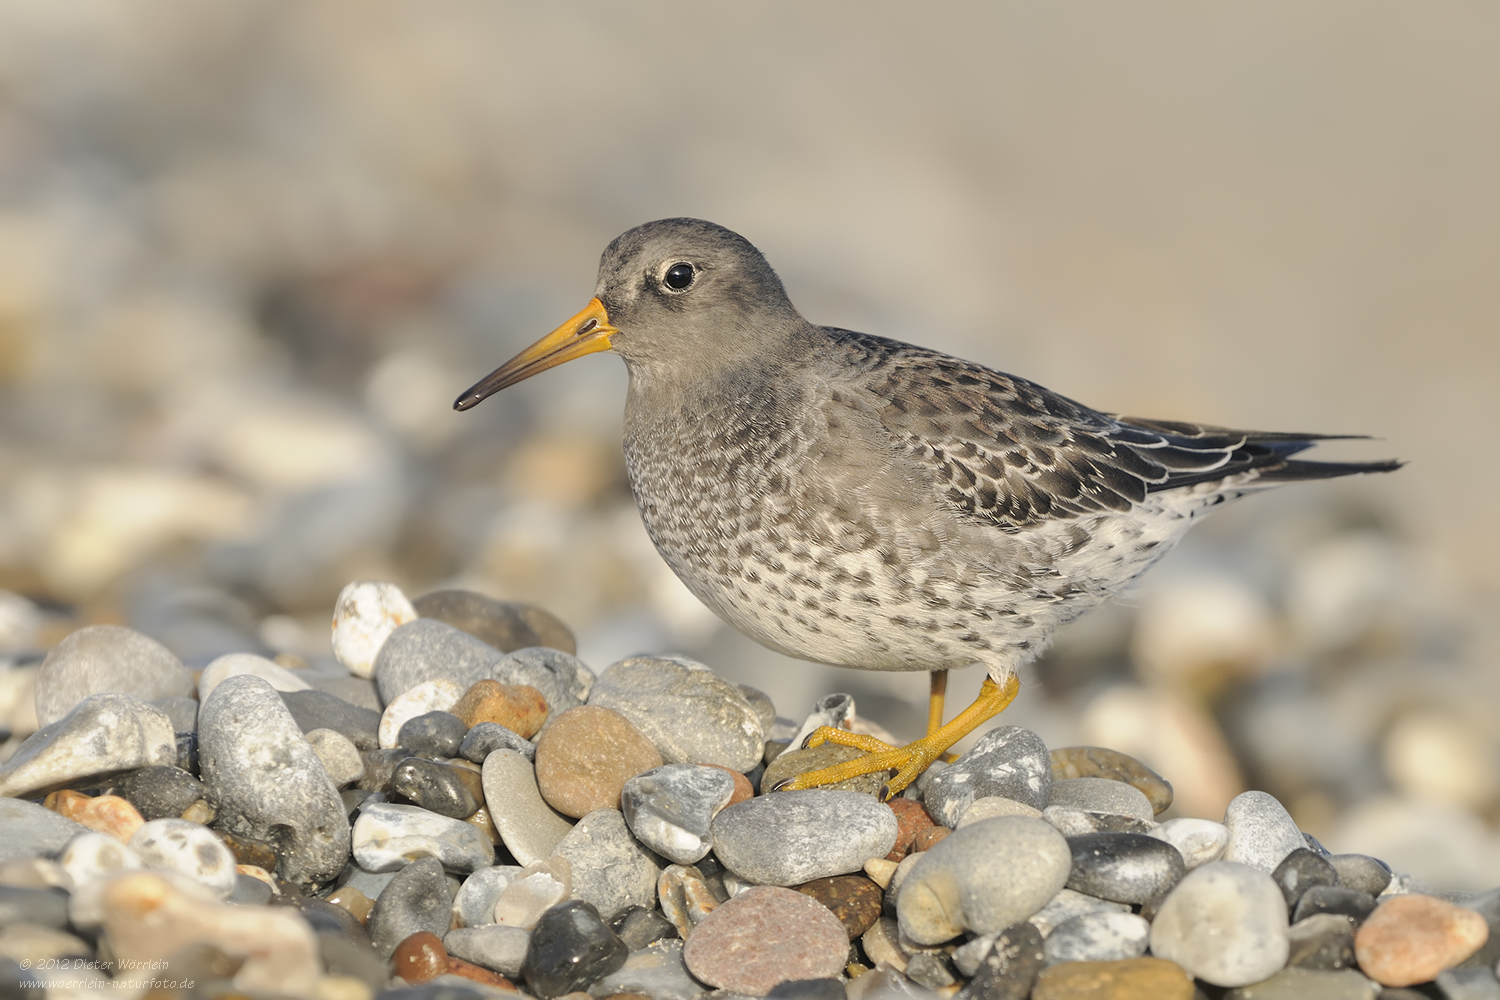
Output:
x=679 y=276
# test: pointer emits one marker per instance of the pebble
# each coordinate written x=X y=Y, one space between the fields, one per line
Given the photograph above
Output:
x=911 y=819
x=1126 y=979
x=1334 y=899
x=1225 y=923
x=1102 y=797
x=1004 y=966
x=794 y=837
x=639 y=927
x=1199 y=841
x=611 y=869
x=502 y=948
x=586 y=755
x=102 y=734
x=1072 y=822
x=518 y=707
x=161 y=791
x=529 y=827
x=182 y=710
x=685 y=897
x=854 y=899
x=1322 y=941
x=425 y=650
x=268 y=782
x=1100 y=762
x=474 y=903
x=1361 y=873
x=349 y=898
x=436 y=735
x=339 y=757
x=364 y=616
x=794 y=762
x=456 y=792
x=380 y=768
x=388 y=836
x=927 y=969
x=983 y=878
x=765 y=936
x=926 y=839
x=1410 y=939
x=189 y=848
x=487 y=737
x=882 y=944
x=248 y=850
x=991 y=806
x=1299 y=872
x=1098 y=937
x=417 y=899
x=1487 y=905
x=420 y=958
x=1123 y=867
x=506 y=625
x=562 y=678
x=321 y=710
x=1068 y=904
x=234 y=664
x=1468 y=984
x=671 y=808
x=90 y=856
x=429 y=696
x=1261 y=831
x=106 y=658
x=886 y=984
x=1301 y=984
x=108 y=814
x=532 y=890
x=1008 y=761
x=22 y=941
x=655 y=971
x=691 y=715
x=571 y=948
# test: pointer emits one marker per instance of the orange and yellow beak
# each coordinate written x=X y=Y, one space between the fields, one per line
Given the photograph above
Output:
x=586 y=333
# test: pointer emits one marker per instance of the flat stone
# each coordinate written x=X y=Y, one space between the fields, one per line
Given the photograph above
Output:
x=571 y=948
x=189 y=848
x=417 y=899
x=1068 y=904
x=107 y=814
x=611 y=869
x=99 y=659
x=388 y=836
x=794 y=762
x=234 y=664
x=529 y=827
x=321 y=710
x=268 y=782
x=1410 y=939
x=1361 y=873
x=1322 y=941
x=690 y=715
x=1098 y=937
x=1334 y=899
x=506 y=625
x=532 y=891
x=1199 y=841
x=983 y=878
x=474 y=903
x=487 y=737
x=493 y=946
x=1300 y=984
x=455 y=792
x=102 y=734
x=994 y=805
x=339 y=757
x=1099 y=762
x=1008 y=761
x=564 y=680
x=586 y=756
x=1101 y=796
x=1300 y=871
x=161 y=791
x=437 y=695
x=1261 y=831
x=1007 y=966
x=420 y=958
x=765 y=936
x=1225 y=923
x=518 y=707
x=671 y=808
x=426 y=650
x=655 y=971
x=364 y=616
x=1123 y=867
x=794 y=837
x=639 y=927
x=854 y=899
x=1127 y=979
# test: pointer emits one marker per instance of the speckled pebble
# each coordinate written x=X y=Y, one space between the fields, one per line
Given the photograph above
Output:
x=364 y=616
x=765 y=936
x=101 y=734
x=1008 y=761
x=1225 y=923
x=388 y=836
x=1261 y=831
x=794 y=837
x=671 y=808
x=611 y=869
x=190 y=848
x=854 y=899
x=530 y=828
x=1410 y=939
x=691 y=715
x=487 y=737
x=98 y=659
x=1199 y=841
x=1098 y=937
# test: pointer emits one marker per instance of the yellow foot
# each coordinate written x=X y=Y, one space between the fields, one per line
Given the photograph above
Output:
x=904 y=763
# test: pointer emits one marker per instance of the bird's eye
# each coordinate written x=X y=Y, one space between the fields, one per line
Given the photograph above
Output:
x=679 y=276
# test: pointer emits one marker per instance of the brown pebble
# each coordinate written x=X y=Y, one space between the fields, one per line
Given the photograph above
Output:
x=108 y=814
x=1124 y=979
x=419 y=958
x=764 y=936
x=201 y=811
x=795 y=762
x=1100 y=762
x=518 y=707
x=1410 y=939
x=249 y=851
x=585 y=757
x=742 y=788
x=928 y=837
x=911 y=819
x=354 y=901
x=854 y=899
x=478 y=973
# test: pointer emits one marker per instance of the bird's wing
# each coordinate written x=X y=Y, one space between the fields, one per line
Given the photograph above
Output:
x=1005 y=450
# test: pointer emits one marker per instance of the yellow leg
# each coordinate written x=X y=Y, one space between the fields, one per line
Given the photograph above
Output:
x=936 y=693
x=911 y=760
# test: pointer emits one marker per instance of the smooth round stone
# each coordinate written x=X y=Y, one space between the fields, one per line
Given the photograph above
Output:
x=1225 y=923
x=1123 y=867
x=611 y=869
x=983 y=878
x=794 y=762
x=564 y=680
x=90 y=856
x=1009 y=761
x=432 y=734
x=429 y=696
x=474 y=903
x=190 y=848
x=1100 y=762
x=388 y=836
x=102 y=734
x=1261 y=831
x=1334 y=899
x=1126 y=979
x=1199 y=841
x=654 y=971
x=794 y=837
x=671 y=809
x=456 y=792
x=234 y=664
x=420 y=958
x=532 y=890
x=1322 y=941
x=854 y=899
x=690 y=715
x=416 y=899
x=321 y=710
x=1302 y=984
x=340 y=757
x=585 y=757
x=1101 y=796
x=161 y=791
x=364 y=616
x=1361 y=873
x=529 y=827
x=765 y=936
x=268 y=782
x=427 y=650
x=1068 y=904
x=1098 y=937
x=1300 y=871
x=487 y=737
x=518 y=707
x=571 y=948
x=994 y=805
x=639 y=927
x=492 y=946
x=106 y=658
x=1410 y=939
x=506 y=625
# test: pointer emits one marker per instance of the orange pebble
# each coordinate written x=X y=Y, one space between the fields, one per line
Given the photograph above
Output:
x=108 y=814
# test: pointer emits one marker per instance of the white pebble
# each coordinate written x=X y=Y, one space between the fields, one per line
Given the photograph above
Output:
x=233 y=664
x=91 y=856
x=535 y=888
x=189 y=848
x=366 y=613
x=1224 y=923
x=1199 y=841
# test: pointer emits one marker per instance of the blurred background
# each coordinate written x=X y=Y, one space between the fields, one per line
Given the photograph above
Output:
x=250 y=251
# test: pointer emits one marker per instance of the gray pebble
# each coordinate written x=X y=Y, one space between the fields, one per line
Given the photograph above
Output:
x=494 y=946
x=656 y=971
x=487 y=737
x=249 y=891
x=106 y=658
x=765 y=709
x=1071 y=822
x=432 y=734
x=1322 y=941
x=1102 y=797
x=1123 y=867
x=1009 y=761
x=1225 y=923
x=474 y=904
x=1487 y=905
x=831 y=710
x=1361 y=873
x=1299 y=872
x=529 y=827
x=788 y=838
x=426 y=650
x=340 y=758
x=372 y=884
x=321 y=710
x=417 y=899
x=506 y=625
x=1468 y=984
x=1008 y=967
x=689 y=714
x=161 y=791
x=1312 y=984
x=562 y=679
x=103 y=734
x=388 y=836
x=671 y=808
x=451 y=791
x=1098 y=937
x=637 y=926
x=182 y=710
x=39 y=907
x=1334 y=899
x=611 y=869
x=336 y=681
x=1261 y=831
x=268 y=782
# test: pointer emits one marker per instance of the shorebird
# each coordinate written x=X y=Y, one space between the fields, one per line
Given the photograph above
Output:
x=862 y=502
